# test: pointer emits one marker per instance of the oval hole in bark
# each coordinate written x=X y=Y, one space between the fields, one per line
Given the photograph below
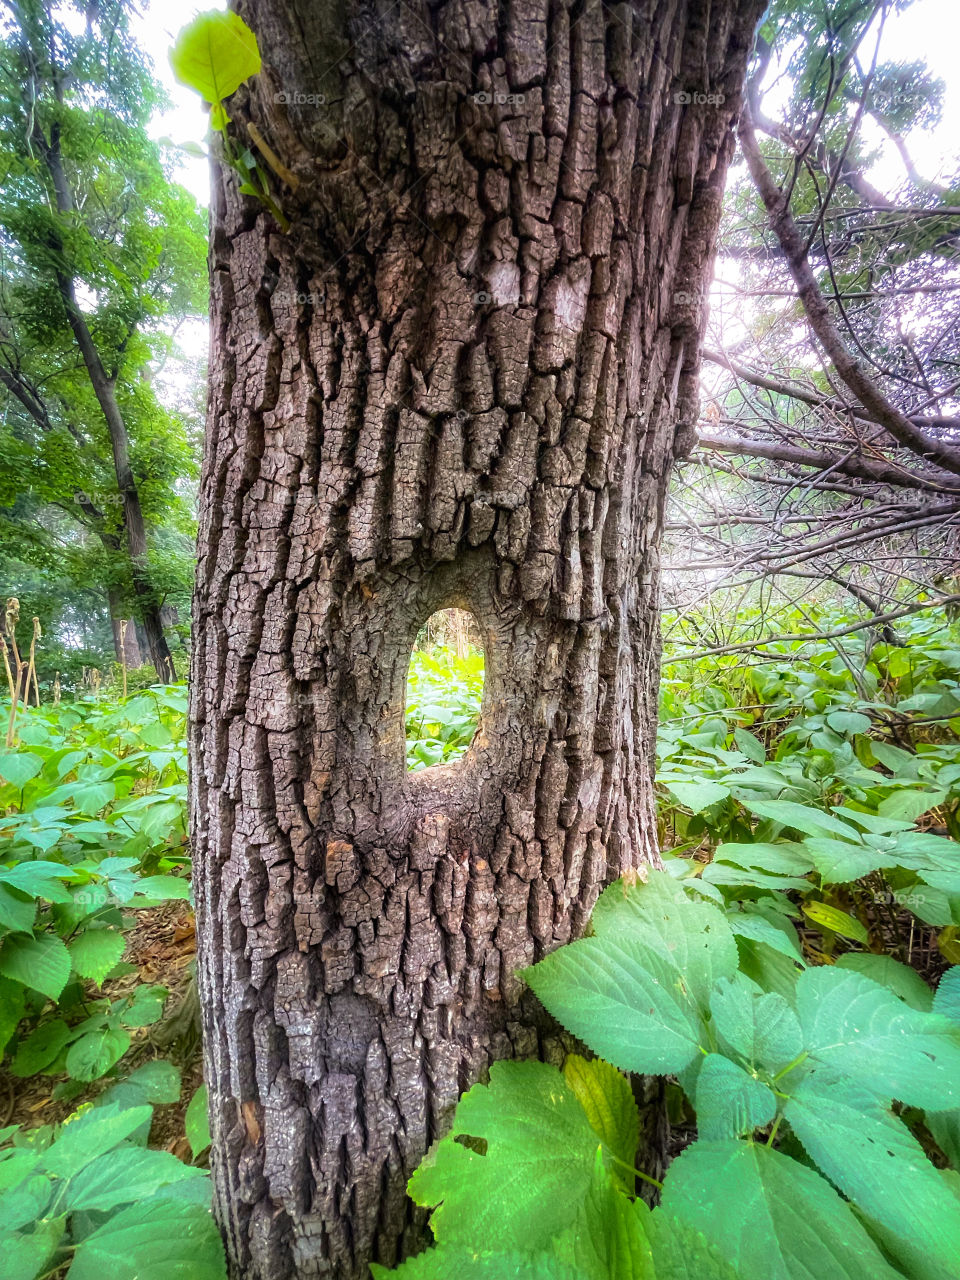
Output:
x=444 y=689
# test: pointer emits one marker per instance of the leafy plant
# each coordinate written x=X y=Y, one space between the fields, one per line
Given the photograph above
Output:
x=443 y=704
x=91 y=1197
x=802 y=1165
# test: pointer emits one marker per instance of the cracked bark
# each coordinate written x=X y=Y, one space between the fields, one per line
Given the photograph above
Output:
x=459 y=380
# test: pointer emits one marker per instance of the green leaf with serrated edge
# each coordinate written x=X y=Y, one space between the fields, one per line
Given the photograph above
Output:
x=145 y=1007
x=946 y=1000
x=124 y=1176
x=758 y=1026
x=18 y=767
x=41 y=963
x=450 y=1263
x=609 y=1241
x=728 y=876
x=786 y=858
x=215 y=54
x=40 y=879
x=94 y=952
x=535 y=1173
x=840 y=861
x=607 y=1099
x=40 y=1048
x=681 y=1252
x=770 y=970
x=157 y=1082
x=747 y=924
x=729 y=1101
x=864 y=1031
x=904 y=982
x=166 y=1237
x=24 y=1203
x=26 y=1254
x=17 y=913
x=873 y=1159
x=196 y=1122
x=875 y=823
x=80 y=1141
x=13 y=1005
x=768 y=1215
x=693 y=935
x=825 y=916
x=802 y=817
x=94 y=1054
x=161 y=888
x=623 y=1000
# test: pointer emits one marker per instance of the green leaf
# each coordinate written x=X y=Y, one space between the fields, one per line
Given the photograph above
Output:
x=609 y=1239
x=693 y=935
x=463 y=1264
x=758 y=1026
x=730 y=1101
x=39 y=879
x=771 y=970
x=769 y=1216
x=849 y=722
x=699 y=795
x=837 y=921
x=904 y=982
x=624 y=1000
x=197 y=1123
x=91 y=1134
x=801 y=817
x=41 y=963
x=947 y=999
x=840 y=862
x=780 y=935
x=681 y=1252
x=26 y=1254
x=18 y=767
x=157 y=1082
x=12 y=1008
x=865 y=1032
x=162 y=888
x=537 y=1169
x=95 y=952
x=167 y=1238
x=124 y=1176
x=607 y=1099
x=145 y=1007
x=750 y=746
x=17 y=913
x=215 y=54
x=94 y=1054
x=874 y=1160
x=40 y=1048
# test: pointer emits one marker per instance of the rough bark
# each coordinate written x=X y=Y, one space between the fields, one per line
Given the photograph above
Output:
x=127 y=647
x=460 y=379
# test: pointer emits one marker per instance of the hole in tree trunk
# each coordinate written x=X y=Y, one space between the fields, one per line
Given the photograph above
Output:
x=444 y=689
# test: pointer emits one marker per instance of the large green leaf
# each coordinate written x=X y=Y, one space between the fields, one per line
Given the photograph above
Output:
x=901 y=980
x=624 y=1000
x=758 y=1026
x=91 y=1134
x=840 y=861
x=729 y=1100
x=453 y=1263
x=41 y=963
x=802 y=817
x=18 y=767
x=40 y=879
x=699 y=795
x=94 y=1054
x=123 y=1176
x=214 y=55
x=771 y=1217
x=196 y=1122
x=780 y=934
x=17 y=913
x=609 y=1240
x=866 y=1032
x=94 y=952
x=40 y=1048
x=695 y=936
x=537 y=1168
x=169 y=1239
x=875 y=1161
x=947 y=999
x=826 y=916
x=607 y=1098
x=681 y=1252
x=25 y=1254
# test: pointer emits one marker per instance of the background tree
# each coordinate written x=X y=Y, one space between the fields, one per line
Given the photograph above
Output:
x=459 y=378
x=101 y=253
x=829 y=455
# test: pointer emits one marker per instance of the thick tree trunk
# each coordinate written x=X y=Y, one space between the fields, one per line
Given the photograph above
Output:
x=460 y=379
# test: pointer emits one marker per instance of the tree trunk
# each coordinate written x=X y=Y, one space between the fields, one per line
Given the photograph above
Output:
x=127 y=649
x=459 y=380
